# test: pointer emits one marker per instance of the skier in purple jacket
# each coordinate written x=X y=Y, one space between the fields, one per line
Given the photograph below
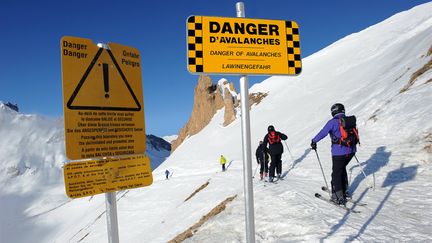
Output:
x=341 y=155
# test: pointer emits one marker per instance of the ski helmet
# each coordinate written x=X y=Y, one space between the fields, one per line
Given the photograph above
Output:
x=337 y=108
x=270 y=128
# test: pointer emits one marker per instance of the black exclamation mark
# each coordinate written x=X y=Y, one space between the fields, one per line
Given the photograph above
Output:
x=106 y=78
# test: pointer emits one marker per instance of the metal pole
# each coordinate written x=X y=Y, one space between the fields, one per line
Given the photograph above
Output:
x=289 y=151
x=111 y=202
x=292 y=158
x=111 y=211
x=256 y=170
x=322 y=171
x=364 y=174
x=246 y=144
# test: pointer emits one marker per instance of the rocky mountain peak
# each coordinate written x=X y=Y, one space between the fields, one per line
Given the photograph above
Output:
x=208 y=99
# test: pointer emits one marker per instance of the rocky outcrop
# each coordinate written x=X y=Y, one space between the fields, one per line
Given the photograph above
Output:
x=256 y=98
x=12 y=106
x=418 y=73
x=208 y=99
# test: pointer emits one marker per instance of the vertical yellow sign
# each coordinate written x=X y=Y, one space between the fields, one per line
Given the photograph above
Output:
x=103 y=99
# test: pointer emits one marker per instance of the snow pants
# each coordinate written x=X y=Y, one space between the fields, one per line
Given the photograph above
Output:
x=263 y=166
x=276 y=164
x=339 y=175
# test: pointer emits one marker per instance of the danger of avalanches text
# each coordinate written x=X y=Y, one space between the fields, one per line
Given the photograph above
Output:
x=247 y=54
x=78 y=51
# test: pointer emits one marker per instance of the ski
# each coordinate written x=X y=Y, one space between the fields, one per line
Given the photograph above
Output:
x=350 y=200
x=268 y=181
x=319 y=196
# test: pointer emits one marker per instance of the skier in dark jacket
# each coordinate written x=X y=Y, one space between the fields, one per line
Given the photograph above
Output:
x=262 y=158
x=341 y=155
x=273 y=138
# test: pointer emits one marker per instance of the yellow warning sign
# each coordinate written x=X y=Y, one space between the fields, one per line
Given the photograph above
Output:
x=92 y=177
x=243 y=46
x=103 y=99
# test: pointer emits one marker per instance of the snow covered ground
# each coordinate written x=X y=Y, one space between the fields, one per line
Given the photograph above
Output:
x=366 y=71
x=170 y=138
x=31 y=177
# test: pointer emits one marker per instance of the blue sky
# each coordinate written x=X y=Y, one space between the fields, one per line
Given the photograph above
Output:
x=30 y=33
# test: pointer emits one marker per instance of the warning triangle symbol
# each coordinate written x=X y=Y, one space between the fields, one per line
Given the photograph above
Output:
x=104 y=87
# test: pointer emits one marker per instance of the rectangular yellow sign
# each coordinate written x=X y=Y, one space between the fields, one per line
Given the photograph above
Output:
x=243 y=46
x=102 y=99
x=92 y=177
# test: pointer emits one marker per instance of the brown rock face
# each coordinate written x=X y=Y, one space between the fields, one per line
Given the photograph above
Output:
x=207 y=100
x=256 y=98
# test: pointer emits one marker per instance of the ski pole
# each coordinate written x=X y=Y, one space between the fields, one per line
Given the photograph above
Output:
x=361 y=168
x=322 y=171
x=289 y=151
x=292 y=158
x=255 y=171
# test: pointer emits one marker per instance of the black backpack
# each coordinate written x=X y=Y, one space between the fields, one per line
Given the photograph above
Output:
x=348 y=130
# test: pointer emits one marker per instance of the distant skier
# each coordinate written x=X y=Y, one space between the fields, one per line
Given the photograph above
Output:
x=344 y=137
x=167 y=174
x=262 y=158
x=223 y=162
x=273 y=138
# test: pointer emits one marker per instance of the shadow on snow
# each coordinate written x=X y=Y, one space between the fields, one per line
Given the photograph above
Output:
x=295 y=162
x=378 y=160
x=403 y=174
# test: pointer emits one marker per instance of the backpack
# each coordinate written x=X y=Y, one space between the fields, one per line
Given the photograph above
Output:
x=273 y=137
x=349 y=133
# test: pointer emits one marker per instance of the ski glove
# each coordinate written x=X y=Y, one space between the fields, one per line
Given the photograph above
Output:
x=313 y=145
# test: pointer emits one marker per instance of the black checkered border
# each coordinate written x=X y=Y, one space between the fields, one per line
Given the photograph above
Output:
x=195 y=44
x=293 y=47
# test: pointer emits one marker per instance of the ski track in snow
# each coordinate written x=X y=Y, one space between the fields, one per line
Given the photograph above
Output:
x=397 y=208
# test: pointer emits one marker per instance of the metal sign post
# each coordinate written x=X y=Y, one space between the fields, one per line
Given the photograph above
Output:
x=111 y=211
x=104 y=122
x=219 y=45
x=111 y=203
x=246 y=145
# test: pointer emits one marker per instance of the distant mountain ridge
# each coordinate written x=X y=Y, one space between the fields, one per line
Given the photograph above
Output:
x=35 y=142
x=158 y=150
x=158 y=143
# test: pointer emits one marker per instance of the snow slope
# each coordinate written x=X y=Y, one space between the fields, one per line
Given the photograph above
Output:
x=170 y=138
x=31 y=174
x=365 y=71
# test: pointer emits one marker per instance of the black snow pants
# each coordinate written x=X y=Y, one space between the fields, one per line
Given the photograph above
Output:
x=276 y=164
x=263 y=166
x=339 y=175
